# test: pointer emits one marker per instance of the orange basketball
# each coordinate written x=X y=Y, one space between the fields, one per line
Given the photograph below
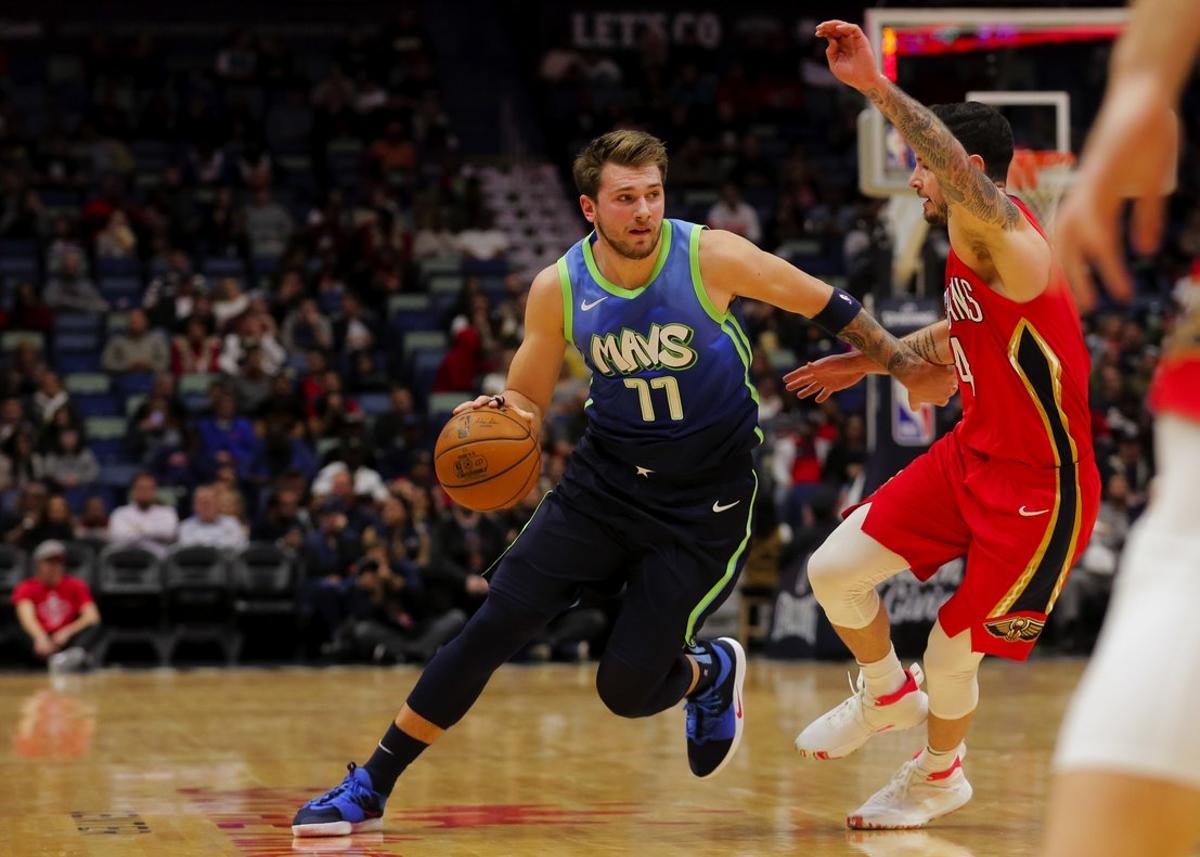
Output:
x=486 y=459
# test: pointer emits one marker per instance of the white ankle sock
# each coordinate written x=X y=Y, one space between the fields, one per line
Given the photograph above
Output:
x=885 y=675
x=935 y=761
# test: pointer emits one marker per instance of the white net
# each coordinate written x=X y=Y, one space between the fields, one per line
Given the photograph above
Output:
x=1040 y=177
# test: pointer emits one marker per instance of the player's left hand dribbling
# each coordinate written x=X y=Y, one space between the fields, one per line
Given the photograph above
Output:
x=499 y=403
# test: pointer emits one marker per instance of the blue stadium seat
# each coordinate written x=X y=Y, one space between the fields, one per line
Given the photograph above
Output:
x=75 y=342
x=375 y=403
x=118 y=475
x=220 y=266
x=121 y=288
x=118 y=268
x=265 y=265
x=423 y=367
x=133 y=383
x=75 y=322
x=97 y=405
x=18 y=248
x=110 y=450
x=18 y=266
x=83 y=361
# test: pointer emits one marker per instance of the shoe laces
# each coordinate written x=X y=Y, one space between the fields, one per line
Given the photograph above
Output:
x=900 y=783
x=349 y=783
x=702 y=711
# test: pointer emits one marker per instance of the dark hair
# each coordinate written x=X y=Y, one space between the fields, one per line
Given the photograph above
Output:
x=983 y=131
x=626 y=148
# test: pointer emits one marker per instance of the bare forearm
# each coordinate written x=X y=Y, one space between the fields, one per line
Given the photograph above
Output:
x=1163 y=54
x=931 y=343
x=941 y=151
x=28 y=619
x=880 y=347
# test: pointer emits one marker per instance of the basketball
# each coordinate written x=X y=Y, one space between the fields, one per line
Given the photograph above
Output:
x=487 y=459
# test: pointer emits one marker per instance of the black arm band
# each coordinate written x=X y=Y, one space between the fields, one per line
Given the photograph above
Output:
x=839 y=312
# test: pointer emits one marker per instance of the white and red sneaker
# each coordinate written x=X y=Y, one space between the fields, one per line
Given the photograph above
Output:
x=842 y=730
x=914 y=797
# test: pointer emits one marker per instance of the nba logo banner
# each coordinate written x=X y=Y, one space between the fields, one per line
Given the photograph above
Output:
x=911 y=427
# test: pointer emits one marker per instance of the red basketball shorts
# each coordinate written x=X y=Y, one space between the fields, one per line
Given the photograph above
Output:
x=1020 y=527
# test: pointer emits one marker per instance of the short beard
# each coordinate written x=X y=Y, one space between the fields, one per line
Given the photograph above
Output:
x=938 y=216
x=626 y=250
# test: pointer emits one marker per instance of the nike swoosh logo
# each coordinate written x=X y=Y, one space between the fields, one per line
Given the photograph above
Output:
x=717 y=507
x=1025 y=513
x=585 y=306
x=738 y=711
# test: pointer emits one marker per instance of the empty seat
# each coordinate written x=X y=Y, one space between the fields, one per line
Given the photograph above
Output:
x=264 y=593
x=199 y=598
x=81 y=561
x=13 y=339
x=107 y=267
x=129 y=593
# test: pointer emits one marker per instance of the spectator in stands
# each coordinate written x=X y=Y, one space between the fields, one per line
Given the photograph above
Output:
x=69 y=463
x=464 y=545
x=12 y=419
x=92 y=525
x=356 y=328
x=329 y=554
x=116 y=240
x=30 y=311
x=170 y=297
x=482 y=240
x=307 y=329
x=268 y=225
x=394 y=152
x=364 y=480
x=463 y=362
x=71 y=291
x=21 y=209
x=197 y=351
x=285 y=521
x=26 y=368
x=207 y=526
x=62 y=244
x=434 y=239
x=228 y=438
x=21 y=452
x=54 y=522
x=137 y=349
x=49 y=397
x=734 y=214
x=144 y=522
x=252 y=331
x=252 y=385
x=57 y=613
x=228 y=301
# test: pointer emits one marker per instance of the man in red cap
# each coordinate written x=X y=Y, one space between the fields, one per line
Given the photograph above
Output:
x=57 y=612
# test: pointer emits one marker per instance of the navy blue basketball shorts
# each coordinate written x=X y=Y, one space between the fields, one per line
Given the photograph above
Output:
x=676 y=544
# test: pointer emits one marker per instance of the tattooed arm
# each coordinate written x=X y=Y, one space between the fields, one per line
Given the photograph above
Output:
x=962 y=183
x=733 y=267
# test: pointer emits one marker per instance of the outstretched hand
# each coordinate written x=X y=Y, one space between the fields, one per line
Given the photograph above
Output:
x=822 y=378
x=849 y=53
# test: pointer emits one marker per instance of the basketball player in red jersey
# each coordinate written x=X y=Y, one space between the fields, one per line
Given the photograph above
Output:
x=1014 y=487
x=1128 y=761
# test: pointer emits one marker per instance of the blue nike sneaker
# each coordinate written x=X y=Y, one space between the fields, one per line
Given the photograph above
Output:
x=715 y=716
x=352 y=807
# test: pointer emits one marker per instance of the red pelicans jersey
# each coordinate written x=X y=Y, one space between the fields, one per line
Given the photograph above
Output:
x=1022 y=367
x=1176 y=387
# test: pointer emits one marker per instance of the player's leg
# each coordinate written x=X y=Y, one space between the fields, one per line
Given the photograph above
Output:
x=912 y=521
x=1128 y=757
x=538 y=577
x=932 y=783
x=844 y=573
x=653 y=659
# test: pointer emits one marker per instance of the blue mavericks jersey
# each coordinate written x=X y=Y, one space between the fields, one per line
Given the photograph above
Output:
x=671 y=388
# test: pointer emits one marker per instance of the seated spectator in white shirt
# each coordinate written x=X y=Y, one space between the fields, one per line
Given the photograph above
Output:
x=366 y=481
x=138 y=349
x=731 y=213
x=144 y=522
x=207 y=526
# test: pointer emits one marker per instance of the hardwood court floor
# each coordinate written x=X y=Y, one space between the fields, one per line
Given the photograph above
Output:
x=213 y=762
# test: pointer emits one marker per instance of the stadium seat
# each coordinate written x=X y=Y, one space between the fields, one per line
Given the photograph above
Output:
x=77 y=342
x=96 y=405
x=12 y=339
x=407 y=303
x=81 y=383
x=484 y=267
x=74 y=322
x=13 y=569
x=446 y=284
x=129 y=593
x=423 y=340
x=441 y=404
x=133 y=383
x=18 y=267
x=422 y=369
x=83 y=362
x=198 y=598
x=375 y=403
x=441 y=265
x=264 y=594
x=109 y=268
x=121 y=289
x=221 y=266
x=105 y=428
x=81 y=561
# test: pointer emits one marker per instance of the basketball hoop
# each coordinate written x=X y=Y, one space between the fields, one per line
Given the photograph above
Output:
x=1040 y=177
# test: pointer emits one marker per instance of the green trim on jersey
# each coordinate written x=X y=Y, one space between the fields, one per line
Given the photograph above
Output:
x=728 y=322
x=568 y=299
x=664 y=247
x=689 y=635
x=504 y=552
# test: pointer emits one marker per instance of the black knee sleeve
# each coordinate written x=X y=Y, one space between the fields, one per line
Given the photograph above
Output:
x=631 y=691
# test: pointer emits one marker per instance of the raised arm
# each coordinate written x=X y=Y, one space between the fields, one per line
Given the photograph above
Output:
x=733 y=267
x=536 y=365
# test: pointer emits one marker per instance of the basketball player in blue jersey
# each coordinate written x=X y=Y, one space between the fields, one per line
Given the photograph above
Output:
x=659 y=493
